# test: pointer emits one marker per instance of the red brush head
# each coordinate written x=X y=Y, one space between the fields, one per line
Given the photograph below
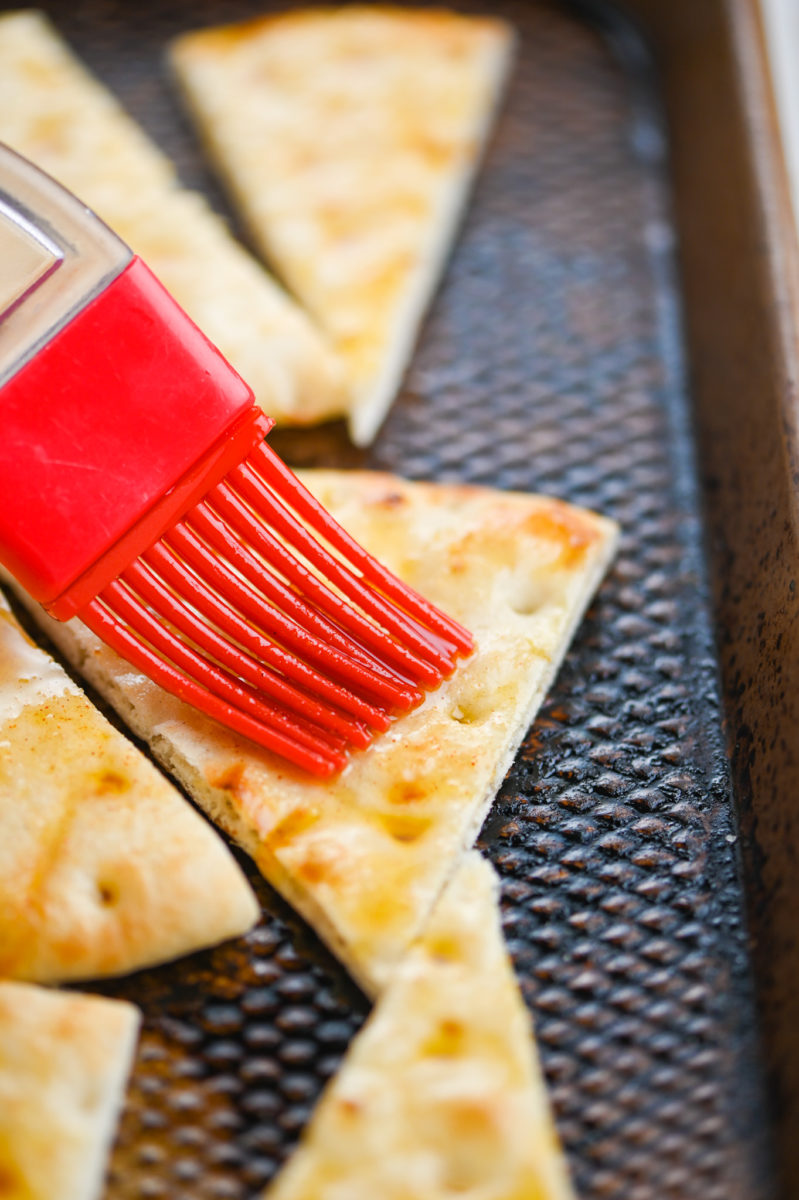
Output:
x=128 y=411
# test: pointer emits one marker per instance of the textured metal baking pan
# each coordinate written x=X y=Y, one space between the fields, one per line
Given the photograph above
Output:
x=554 y=359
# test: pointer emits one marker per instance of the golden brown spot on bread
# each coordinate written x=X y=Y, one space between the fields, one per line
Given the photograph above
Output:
x=292 y=825
x=108 y=893
x=12 y=1185
x=319 y=864
x=446 y=1041
x=314 y=869
x=380 y=291
x=435 y=153
x=408 y=791
x=405 y=827
x=476 y=1139
x=494 y=543
x=228 y=779
x=111 y=781
x=472 y=1118
x=568 y=529
x=50 y=135
x=444 y=948
x=350 y=1107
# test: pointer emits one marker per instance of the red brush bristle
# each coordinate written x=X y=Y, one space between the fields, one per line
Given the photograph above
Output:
x=239 y=610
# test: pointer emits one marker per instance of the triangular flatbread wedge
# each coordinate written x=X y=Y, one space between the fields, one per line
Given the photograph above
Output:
x=364 y=857
x=441 y=1093
x=349 y=138
x=64 y=1063
x=104 y=867
x=56 y=114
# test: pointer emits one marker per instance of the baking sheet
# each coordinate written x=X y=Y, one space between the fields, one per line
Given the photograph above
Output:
x=551 y=361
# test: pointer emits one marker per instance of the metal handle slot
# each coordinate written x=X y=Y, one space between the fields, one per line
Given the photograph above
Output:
x=27 y=259
x=55 y=256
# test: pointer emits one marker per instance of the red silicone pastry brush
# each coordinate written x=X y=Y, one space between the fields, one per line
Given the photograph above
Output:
x=138 y=494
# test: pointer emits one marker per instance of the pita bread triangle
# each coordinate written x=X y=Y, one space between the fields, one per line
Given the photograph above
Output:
x=348 y=138
x=363 y=857
x=58 y=115
x=104 y=867
x=64 y=1062
x=441 y=1093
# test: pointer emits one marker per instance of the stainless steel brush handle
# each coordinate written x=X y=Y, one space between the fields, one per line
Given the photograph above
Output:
x=55 y=256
